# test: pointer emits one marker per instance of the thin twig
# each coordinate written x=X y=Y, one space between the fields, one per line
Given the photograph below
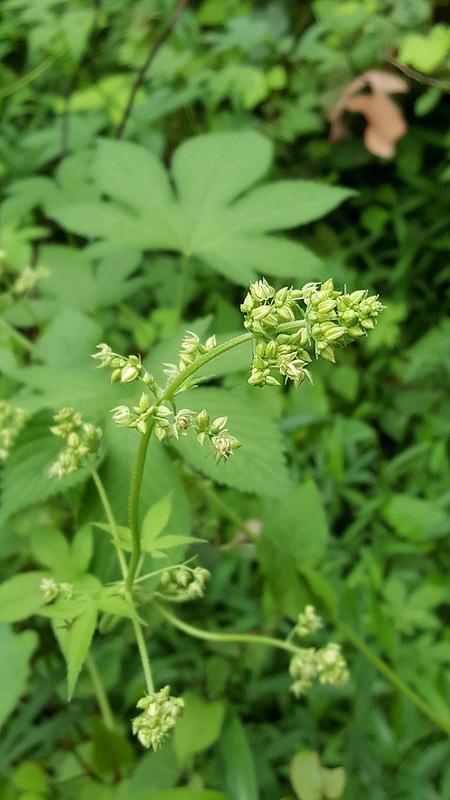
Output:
x=419 y=77
x=153 y=50
x=74 y=81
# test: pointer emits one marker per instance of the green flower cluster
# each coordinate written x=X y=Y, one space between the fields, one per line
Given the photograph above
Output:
x=82 y=439
x=286 y=322
x=12 y=420
x=160 y=712
x=184 y=583
x=51 y=590
x=125 y=369
x=191 y=350
x=327 y=664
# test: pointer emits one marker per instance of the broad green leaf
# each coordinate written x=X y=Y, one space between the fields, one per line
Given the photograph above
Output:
x=16 y=650
x=333 y=782
x=154 y=770
x=30 y=777
x=20 y=596
x=77 y=645
x=198 y=728
x=209 y=217
x=286 y=204
x=51 y=549
x=240 y=767
x=68 y=340
x=258 y=466
x=306 y=776
x=25 y=479
x=136 y=178
x=212 y=169
x=415 y=518
x=297 y=525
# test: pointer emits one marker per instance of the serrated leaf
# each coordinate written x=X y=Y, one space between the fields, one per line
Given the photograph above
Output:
x=298 y=525
x=209 y=217
x=77 y=645
x=258 y=466
x=20 y=596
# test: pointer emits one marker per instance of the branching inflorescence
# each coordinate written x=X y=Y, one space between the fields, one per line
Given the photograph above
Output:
x=287 y=328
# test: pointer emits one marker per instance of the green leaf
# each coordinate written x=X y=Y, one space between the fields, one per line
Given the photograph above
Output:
x=297 y=525
x=51 y=549
x=77 y=644
x=286 y=204
x=198 y=728
x=156 y=520
x=306 y=775
x=20 y=596
x=333 y=782
x=415 y=518
x=81 y=549
x=258 y=466
x=69 y=340
x=240 y=768
x=16 y=650
x=25 y=479
x=209 y=217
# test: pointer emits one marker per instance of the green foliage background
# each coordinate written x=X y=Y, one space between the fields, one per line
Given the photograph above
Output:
x=225 y=171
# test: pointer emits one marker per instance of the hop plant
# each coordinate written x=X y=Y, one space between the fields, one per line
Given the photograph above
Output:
x=327 y=664
x=184 y=582
x=82 y=439
x=160 y=712
x=12 y=420
x=319 y=319
x=308 y=622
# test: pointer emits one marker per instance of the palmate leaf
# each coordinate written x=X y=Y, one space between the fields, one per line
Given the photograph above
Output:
x=200 y=208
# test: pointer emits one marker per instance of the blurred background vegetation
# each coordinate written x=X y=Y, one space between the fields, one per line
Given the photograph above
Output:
x=364 y=535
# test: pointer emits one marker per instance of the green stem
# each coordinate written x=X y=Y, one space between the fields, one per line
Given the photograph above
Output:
x=138 y=473
x=139 y=636
x=392 y=676
x=110 y=519
x=133 y=508
x=215 y=636
x=99 y=689
x=140 y=641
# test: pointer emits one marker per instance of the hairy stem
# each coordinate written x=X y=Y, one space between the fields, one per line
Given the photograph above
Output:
x=99 y=689
x=139 y=636
x=138 y=472
x=133 y=508
x=110 y=519
x=216 y=636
